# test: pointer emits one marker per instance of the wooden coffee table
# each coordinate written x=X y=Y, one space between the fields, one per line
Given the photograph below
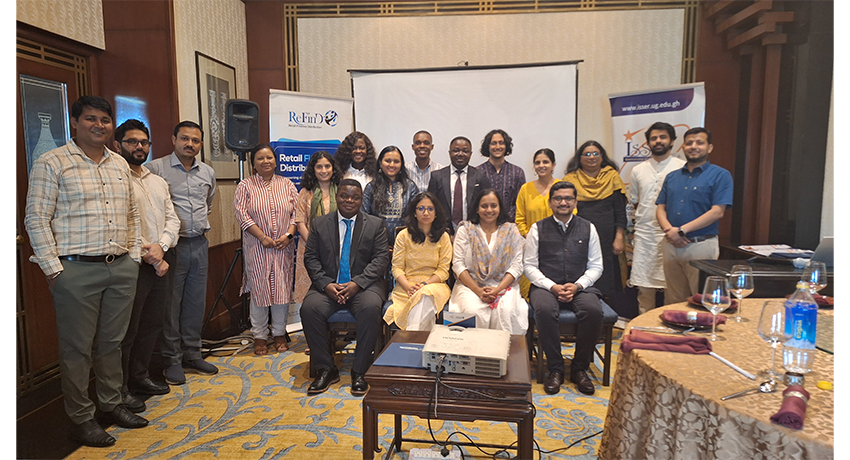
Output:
x=408 y=391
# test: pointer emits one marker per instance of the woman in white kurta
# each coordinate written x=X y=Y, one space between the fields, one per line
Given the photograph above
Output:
x=488 y=262
x=265 y=209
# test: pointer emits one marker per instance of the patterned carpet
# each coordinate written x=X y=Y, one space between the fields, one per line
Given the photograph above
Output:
x=258 y=408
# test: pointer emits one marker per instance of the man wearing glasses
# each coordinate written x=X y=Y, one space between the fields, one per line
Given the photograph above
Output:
x=564 y=278
x=159 y=226
x=192 y=184
x=456 y=185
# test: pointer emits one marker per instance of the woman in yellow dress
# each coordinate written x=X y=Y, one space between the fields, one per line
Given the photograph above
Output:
x=422 y=255
x=532 y=203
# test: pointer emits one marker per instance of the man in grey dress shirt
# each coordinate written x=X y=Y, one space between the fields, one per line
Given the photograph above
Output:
x=421 y=167
x=192 y=184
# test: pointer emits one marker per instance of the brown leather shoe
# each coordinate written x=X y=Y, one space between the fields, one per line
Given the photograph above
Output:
x=582 y=381
x=553 y=382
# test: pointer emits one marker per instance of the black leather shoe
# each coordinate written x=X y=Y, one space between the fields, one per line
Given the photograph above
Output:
x=124 y=418
x=134 y=404
x=358 y=384
x=553 y=382
x=147 y=386
x=91 y=434
x=582 y=381
x=325 y=378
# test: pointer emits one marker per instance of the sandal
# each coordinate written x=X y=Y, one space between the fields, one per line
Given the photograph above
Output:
x=260 y=347
x=280 y=343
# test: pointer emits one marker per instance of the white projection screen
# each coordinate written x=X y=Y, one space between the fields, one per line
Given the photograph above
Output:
x=535 y=104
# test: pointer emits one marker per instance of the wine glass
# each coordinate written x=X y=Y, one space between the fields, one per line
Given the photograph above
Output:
x=741 y=285
x=715 y=298
x=815 y=275
x=772 y=330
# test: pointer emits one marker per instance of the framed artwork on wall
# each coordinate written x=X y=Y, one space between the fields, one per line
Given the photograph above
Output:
x=216 y=84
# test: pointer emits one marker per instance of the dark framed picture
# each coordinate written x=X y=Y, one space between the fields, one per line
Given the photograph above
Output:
x=216 y=84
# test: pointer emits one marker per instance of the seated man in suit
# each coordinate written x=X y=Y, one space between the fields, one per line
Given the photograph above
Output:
x=346 y=257
x=443 y=184
x=564 y=279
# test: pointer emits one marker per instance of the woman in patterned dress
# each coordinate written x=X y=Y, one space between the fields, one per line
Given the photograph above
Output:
x=421 y=258
x=390 y=192
x=265 y=209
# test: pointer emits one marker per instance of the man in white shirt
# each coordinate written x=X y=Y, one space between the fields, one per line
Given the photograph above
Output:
x=160 y=226
x=420 y=168
x=564 y=279
x=648 y=262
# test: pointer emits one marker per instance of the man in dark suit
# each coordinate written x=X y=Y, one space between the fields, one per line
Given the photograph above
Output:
x=444 y=182
x=361 y=288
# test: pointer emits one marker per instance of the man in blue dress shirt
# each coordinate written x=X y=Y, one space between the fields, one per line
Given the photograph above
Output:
x=690 y=205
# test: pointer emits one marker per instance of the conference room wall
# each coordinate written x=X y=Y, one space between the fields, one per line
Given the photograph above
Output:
x=647 y=56
x=80 y=20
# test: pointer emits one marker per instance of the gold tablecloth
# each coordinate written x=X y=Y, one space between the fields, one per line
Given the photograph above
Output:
x=667 y=405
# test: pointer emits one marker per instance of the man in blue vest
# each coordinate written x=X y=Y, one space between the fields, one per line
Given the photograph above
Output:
x=562 y=260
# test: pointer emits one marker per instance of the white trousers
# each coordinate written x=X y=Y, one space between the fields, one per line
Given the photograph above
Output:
x=260 y=320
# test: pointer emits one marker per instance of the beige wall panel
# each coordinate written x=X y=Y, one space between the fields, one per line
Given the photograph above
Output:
x=827 y=220
x=622 y=50
x=80 y=20
x=217 y=29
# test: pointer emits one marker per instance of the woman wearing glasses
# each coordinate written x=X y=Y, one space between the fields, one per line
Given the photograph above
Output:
x=421 y=259
x=487 y=262
x=602 y=201
x=265 y=209
x=390 y=192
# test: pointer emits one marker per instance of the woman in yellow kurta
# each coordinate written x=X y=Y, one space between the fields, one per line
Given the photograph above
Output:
x=532 y=203
x=421 y=257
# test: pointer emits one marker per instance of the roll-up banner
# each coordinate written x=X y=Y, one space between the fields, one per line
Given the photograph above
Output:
x=632 y=113
x=302 y=124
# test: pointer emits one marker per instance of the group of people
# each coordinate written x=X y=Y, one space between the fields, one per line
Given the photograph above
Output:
x=123 y=246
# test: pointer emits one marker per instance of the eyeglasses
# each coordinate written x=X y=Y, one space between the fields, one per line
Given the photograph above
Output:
x=590 y=154
x=464 y=151
x=134 y=142
x=558 y=199
x=424 y=208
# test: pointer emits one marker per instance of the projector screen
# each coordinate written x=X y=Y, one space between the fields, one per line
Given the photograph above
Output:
x=535 y=104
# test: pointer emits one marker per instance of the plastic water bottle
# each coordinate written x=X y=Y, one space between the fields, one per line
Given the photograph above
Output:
x=801 y=322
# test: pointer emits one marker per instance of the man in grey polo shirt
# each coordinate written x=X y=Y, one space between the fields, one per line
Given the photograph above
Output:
x=192 y=185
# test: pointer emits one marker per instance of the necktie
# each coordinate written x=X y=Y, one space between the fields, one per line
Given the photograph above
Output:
x=457 y=204
x=345 y=255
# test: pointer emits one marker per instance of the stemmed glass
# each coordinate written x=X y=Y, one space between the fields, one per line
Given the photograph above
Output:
x=815 y=275
x=715 y=298
x=772 y=330
x=741 y=285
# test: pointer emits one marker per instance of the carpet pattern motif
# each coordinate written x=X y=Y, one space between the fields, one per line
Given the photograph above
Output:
x=257 y=407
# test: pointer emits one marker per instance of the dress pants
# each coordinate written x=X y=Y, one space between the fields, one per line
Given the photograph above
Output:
x=365 y=306
x=153 y=296
x=93 y=302
x=181 y=336
x=588 y=310
x=682 y=278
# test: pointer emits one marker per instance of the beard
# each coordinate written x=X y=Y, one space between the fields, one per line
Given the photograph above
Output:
x=132 y=158
x=658 y=153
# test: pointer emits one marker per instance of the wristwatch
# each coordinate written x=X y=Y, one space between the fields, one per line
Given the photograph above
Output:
x=289 y=235
x=682 y=233
x=164 y=247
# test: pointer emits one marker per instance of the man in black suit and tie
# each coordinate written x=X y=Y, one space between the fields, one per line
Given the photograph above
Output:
x=444 y=182
x=346 y=257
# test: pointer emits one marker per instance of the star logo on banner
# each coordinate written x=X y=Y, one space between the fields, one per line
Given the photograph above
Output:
x=630 y=135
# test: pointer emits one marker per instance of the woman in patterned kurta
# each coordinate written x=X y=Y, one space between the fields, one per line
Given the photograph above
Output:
x=265 y=209
x=390 y=192
x=421 y=258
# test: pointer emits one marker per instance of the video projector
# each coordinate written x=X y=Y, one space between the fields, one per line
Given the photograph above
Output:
x=471 y=351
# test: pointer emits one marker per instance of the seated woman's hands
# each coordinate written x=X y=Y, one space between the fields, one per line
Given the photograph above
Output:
x=487 y=294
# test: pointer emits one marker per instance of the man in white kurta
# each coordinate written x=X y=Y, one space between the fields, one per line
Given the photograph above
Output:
x=645 y=183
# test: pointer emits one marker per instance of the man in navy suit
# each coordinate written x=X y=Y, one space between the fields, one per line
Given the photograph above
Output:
x=444 y=181
x=362 y=289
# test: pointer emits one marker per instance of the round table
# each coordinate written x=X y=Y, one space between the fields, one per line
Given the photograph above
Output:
x=667 y=405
